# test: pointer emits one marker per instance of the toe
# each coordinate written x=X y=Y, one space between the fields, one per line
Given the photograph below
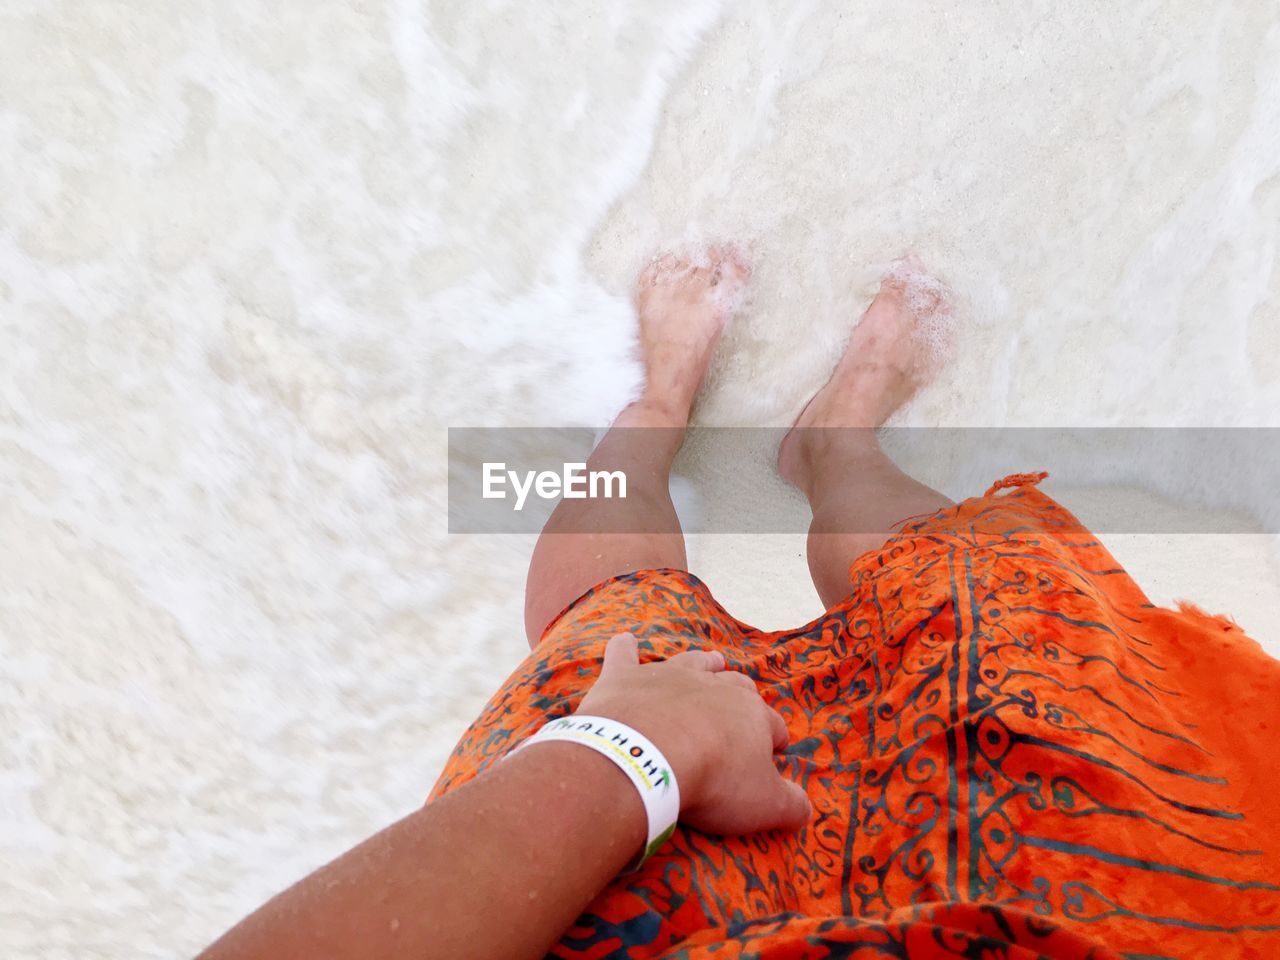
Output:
x=659 y=270
x=733 y=262
x=733 y=270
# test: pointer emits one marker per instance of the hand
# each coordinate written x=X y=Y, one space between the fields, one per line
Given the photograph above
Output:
x=713 y=727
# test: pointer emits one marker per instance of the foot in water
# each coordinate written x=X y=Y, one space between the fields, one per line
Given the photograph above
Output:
x=896 y=348
x=684 y=305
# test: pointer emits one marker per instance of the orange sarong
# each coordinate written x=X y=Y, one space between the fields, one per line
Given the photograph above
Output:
x=1011 y=753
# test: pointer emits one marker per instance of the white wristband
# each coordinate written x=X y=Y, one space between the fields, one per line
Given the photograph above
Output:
x=639 y=759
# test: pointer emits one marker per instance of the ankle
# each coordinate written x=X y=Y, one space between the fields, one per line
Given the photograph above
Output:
x=660 y=410
x=821 y=456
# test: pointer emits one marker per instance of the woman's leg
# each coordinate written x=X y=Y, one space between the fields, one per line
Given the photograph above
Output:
x=683 y=307
x=857 y=494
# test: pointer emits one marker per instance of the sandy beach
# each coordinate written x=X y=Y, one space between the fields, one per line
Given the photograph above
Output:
x=256 y=259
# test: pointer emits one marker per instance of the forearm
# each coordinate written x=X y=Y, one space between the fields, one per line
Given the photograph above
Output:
x=499 y=867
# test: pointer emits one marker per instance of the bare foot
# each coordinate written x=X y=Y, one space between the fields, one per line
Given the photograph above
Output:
x=896 y=348
x=684 y=305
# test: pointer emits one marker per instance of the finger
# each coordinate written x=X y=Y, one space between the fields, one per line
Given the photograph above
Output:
x=622 y=651
x=791 y=807
x=711 y=661
x=741 y=679
x=779 y=728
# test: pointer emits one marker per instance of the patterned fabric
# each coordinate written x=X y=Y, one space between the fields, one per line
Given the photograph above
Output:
x=1011 y=754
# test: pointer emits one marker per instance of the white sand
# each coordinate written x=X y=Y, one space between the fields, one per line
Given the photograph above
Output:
x=255 y=257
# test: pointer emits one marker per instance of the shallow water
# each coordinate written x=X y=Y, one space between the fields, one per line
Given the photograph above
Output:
x=254 y=258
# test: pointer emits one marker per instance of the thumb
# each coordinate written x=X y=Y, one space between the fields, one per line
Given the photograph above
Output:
x=791 y=807
x=622 y=650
